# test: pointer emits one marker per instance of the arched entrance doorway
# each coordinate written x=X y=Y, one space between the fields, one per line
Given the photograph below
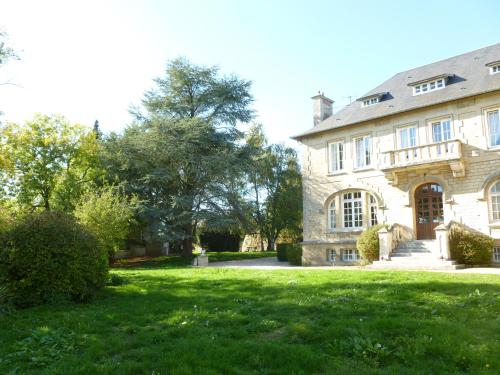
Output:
x=428 y=210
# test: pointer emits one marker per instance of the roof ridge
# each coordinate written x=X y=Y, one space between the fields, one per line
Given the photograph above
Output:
x=449 y=58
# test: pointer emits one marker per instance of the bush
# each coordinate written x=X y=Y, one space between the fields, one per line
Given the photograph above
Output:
x=281 y=251
x=107 y=214
x=470 y=246
x=50 y=257
x=294 y=254
x=368 y=244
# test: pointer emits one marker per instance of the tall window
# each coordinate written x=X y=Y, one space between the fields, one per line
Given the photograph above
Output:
x=353 y=210
x=493 y=128
x=495 y=201
x=336 y=156
x=363 y=147
x=372 y=204
x=496 y=254
x=407 y=137
x=332 y=219
x=441 y=131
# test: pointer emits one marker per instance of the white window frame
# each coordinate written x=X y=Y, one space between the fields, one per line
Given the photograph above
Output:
x=332 y=255
x=366 y=152
x=488 y=131
x=352 y=210
x=336 y=156
x=495 y=69
x=496 y=254
x=350 y=255
x=494 y=201
x=441 y=122
x=407 y=129
x=425 y=87
x=370 y=101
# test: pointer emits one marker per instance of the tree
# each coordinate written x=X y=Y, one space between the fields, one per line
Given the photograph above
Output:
x=180 y=155
x=6 y=52
x=190 y=91
x=275 y=188
x=47 y=161
x=178 y=169
x=108 y=214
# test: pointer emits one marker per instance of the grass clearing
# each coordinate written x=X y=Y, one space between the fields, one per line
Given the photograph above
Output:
x=182 y=320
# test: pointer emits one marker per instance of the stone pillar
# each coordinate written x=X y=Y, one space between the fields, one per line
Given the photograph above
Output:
x=443 y=242
x=385 y=241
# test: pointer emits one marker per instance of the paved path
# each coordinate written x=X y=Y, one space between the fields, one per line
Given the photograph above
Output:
x=272 y=263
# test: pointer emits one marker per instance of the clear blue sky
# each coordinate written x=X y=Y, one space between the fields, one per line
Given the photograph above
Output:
x=92 y=59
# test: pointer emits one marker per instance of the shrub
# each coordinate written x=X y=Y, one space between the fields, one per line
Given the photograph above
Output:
x=294 y=254
x=368 y=244
x=50 y=257
x=469 y=246
x=107 y=214
x=281 y=251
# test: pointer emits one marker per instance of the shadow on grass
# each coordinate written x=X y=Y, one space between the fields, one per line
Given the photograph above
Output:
x=220 y=321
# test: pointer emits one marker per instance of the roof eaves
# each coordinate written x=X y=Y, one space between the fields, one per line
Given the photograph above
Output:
x=377 y=95
x=446 y=75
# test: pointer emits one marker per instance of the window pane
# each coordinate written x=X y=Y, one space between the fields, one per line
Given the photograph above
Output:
x=413 y=136
x=495 y=207
x=360 y=153
x=436 y=132
x=494 y=128
x=403 y=138
x=367 y=150
x=333 y=156
x=341 y=156
x=446 y=126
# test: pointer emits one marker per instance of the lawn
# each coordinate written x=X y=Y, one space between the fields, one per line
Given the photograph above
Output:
x=182 y=320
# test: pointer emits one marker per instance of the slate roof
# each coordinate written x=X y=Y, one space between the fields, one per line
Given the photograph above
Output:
x=469 y=76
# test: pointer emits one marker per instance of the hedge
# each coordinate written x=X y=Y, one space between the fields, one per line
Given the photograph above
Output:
x=281 y=251
x=368 y=244
x=294 y=254
x=49 y=257
x=471 y=247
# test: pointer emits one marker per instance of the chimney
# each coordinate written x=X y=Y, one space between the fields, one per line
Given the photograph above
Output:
x=322 y=107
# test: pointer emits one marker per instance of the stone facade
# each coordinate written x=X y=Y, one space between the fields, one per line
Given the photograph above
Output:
x=465 y=174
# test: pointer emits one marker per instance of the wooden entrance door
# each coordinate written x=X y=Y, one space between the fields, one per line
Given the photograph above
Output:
x=429 y=210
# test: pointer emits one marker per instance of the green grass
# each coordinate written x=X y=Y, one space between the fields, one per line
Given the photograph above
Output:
x=180 y=320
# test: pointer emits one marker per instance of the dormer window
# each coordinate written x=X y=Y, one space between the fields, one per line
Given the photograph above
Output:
x=372 y=99
x=494 y=67
x=429 y=84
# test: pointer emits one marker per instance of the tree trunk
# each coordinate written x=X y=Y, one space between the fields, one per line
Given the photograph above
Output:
x=270 y=244
x=187 y=242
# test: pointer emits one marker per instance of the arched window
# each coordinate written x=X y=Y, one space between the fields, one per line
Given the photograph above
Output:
x=351 y=210
x=332 y=219
x=495 y=201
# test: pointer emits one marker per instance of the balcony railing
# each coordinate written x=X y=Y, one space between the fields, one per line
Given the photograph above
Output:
x=432 y=153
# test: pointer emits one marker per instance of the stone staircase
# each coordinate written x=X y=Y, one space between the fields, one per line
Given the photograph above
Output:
x=416 y=255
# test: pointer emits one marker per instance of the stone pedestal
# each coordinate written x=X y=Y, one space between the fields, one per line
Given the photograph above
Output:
x=201 y=261
x=442 y=238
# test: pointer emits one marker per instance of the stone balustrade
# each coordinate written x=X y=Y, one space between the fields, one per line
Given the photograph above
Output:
x=442 y=151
